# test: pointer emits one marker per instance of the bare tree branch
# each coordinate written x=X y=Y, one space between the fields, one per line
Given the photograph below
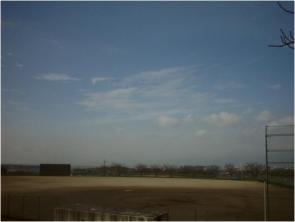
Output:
x=291 y=35
x=286 y=40
x=285 y=9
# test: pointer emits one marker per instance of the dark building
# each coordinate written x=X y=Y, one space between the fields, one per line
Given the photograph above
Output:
x=3 y=171
x=55 y=170
x=19 y=170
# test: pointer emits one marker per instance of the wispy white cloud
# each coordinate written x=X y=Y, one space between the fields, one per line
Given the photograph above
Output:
x=160 y=74
x=8 y=23
x=222 y=118
x=247 y=111
x=264 y=116
x=225 y=101
x=114 y=99
x=188 y=118
x=276 y=86
x=19 y=106
x=55 y=43
x=120 y=130
x=167 y=96
x=152 y=91
x=282 y=121
x=168 y=121
x=99 y=79
x=13 y=91
x=56 y=77
x=229 y=85
x=19 y=65
x=201 y=132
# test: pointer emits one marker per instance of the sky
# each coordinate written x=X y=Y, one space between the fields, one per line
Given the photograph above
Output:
x=182 y=83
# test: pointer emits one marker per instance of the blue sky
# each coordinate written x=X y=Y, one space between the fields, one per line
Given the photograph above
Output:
x=151 y=82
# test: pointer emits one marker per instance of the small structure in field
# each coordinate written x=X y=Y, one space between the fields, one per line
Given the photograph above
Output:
x=78 y=212
x=55 y=170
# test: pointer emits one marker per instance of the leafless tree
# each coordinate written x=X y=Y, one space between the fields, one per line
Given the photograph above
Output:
x=141 y=168
x=212 y=170
x=170 y=169
x=287 y=39
x=156 y=169
x=117 y=169
x=230 y=169
x=253 y=169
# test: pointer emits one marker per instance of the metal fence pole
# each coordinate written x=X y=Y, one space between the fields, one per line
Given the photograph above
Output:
x=266 y=179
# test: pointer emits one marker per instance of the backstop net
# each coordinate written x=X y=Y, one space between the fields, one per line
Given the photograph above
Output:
x=279 y=183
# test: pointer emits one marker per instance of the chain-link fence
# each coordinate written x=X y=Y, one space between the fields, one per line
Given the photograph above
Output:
x=279 y=156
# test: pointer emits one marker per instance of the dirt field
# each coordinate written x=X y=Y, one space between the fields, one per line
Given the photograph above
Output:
x=185 y=199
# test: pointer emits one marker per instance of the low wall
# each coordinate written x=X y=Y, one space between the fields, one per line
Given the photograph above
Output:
x=79 y=212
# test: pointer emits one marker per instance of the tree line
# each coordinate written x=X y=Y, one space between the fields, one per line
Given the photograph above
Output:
x=228 y=171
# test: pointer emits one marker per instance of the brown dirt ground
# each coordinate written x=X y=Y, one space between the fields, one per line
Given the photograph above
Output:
x=185 y=199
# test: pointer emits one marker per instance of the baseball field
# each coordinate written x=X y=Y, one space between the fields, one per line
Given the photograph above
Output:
x=35 y=197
